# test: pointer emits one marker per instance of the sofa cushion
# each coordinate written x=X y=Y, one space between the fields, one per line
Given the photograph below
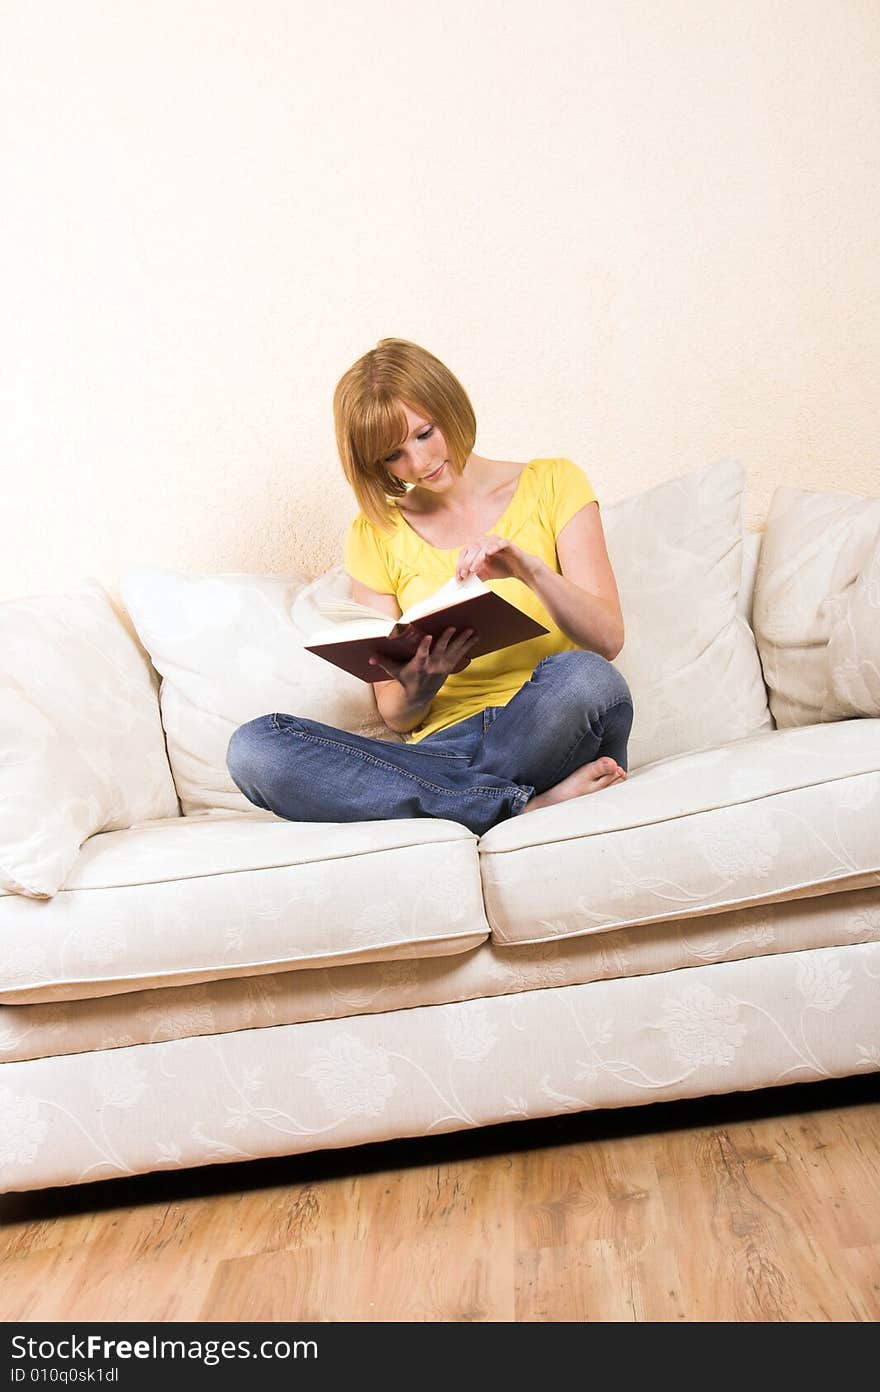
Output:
x=854 y=646
x=203 y=898
x=689 y=657
x=815 y=549
x=81 y=743
x=776 y=816
x=751 y=552
x=230 y=648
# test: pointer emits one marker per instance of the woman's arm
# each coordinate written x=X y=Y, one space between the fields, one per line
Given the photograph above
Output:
x=583 y=600
x=404 y=701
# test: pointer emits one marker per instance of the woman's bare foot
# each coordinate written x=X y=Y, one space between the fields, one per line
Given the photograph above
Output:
x=590 y=778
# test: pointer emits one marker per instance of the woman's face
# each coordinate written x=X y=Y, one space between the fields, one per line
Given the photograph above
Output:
x=423 y=460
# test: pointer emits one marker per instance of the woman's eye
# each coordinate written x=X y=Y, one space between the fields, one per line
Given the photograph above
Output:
x=390 y=458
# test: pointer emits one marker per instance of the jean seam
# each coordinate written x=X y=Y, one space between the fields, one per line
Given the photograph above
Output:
x=433 y=753
x=436 y=753
x=510 y=789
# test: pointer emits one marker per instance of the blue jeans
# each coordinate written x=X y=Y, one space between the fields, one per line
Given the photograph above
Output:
x=574 y=708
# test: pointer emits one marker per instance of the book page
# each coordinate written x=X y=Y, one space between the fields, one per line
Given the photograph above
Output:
x=354 y=628
x=453 y=592
x=337 y=610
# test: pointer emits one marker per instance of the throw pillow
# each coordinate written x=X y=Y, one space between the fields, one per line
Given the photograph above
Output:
x=816 y=546
x=854 y=646
x=689 y=656
x=230 y=648
x=81 y=743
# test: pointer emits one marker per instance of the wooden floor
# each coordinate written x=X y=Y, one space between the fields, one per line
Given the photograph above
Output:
x=752 y=1207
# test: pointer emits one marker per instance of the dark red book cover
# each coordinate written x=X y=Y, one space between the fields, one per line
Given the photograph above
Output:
x=498 y=624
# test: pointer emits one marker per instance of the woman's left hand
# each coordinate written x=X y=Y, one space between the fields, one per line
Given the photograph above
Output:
x=493 y=557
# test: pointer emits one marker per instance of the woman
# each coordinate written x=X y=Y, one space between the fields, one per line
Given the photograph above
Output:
x=532 y=725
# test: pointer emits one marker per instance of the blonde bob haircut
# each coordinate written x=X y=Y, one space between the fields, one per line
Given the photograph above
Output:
x=370 y=424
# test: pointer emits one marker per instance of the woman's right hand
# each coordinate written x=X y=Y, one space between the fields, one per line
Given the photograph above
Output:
x=432 y=662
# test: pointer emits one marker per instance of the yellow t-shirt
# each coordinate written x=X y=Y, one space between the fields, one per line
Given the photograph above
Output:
x=548 y=494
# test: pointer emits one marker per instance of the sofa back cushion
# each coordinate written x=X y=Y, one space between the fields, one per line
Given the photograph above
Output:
x=751 y=552
x=854 y=645
x=230 y=648
x=81 y=743
x=816 y=581
x=690 y=657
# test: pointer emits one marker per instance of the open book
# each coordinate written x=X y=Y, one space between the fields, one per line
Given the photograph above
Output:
x=458 y=604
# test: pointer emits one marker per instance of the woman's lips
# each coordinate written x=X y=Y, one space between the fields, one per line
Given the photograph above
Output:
x=429 y=478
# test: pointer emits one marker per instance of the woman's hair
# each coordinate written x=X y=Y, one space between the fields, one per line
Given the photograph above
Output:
x=370 y=424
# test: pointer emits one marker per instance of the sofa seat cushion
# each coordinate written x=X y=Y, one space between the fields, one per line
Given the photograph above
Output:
x=790 y=813
x=185 y=900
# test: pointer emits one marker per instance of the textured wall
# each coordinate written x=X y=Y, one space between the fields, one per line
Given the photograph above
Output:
x=644 y=234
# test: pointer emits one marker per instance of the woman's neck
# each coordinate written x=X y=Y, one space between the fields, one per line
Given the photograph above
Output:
x=479 y=478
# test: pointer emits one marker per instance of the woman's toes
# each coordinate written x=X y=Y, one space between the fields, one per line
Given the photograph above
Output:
x=607 y=767
x=604 y=780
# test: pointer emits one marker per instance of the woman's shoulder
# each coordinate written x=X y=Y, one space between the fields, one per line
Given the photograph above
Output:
x=553 y=473
x=554 y=487
x=372 y=554
x=553 y=464
x=545 y=465
x=366 y=528
x=560 y=470
x=365 y=535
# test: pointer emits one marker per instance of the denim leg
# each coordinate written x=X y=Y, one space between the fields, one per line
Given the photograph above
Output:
x=305 y=771
x=575 y=708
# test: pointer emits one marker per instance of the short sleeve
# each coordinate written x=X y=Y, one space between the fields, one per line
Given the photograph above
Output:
x=569 y=490
x=367 y=557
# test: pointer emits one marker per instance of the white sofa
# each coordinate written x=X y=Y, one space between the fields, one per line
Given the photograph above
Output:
x=187 y=980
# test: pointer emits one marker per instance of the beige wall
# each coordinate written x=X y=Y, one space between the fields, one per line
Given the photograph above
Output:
x=644 y=233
